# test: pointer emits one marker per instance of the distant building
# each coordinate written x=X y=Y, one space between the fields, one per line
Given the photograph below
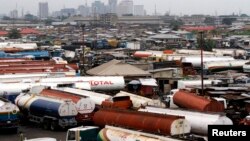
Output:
x=43 y=10
x=56 y=14
x=98 y=7
x=152 y=20
x=139 y=10
x=84 y=10
x=14 y=14
x=67 y=12
x=125 y=7
x=109 y=19
x=112 y=6
x=194 y=20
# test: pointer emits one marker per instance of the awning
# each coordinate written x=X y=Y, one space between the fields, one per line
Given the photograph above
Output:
x=148 y=82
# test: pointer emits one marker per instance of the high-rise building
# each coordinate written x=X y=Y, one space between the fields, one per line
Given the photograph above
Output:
x=139 y=10
x=67 y=12
x=98 y=7
x=43 y=10
x=14 y=14
x=84 y=10
x=126 y=7
x=112 y=6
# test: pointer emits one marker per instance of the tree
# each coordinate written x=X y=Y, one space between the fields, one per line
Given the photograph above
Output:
x=209 y=21
x=48 y=21
x=228 y=21
x=243 y=15
x=6 y=18
x=175 y=24
x=209 y=45
x=14 y=34
x=30 y=17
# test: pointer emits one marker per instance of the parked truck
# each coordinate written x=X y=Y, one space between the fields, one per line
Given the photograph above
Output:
x=48 y=112
x=85 y=106
x=9 y=118
x=83 y=133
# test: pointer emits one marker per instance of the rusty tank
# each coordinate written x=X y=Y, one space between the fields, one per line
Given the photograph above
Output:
x=122 y=102
x=194 y=102
x=147 y=122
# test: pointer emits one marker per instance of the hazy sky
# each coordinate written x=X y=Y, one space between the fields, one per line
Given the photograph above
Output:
x=178 y=7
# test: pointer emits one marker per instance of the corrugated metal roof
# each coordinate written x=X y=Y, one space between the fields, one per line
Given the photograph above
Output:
x=117 y=68
x=3 y=33
x=164 y=36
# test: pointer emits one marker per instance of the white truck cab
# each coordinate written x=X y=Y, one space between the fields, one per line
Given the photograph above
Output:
x=82 y=133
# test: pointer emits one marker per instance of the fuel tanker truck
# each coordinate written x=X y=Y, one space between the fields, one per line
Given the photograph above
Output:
x=199 y=121
x=101 y=83
x=112 y=133
x=9 y=118
x=85 y=106
x=48 y=112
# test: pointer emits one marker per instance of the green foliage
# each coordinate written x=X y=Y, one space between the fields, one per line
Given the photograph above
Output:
x=6 y=18
x=209 y=21
x=245 y=32
x=30 y=17
x=175 y=24
x=228 y=21
x=14 y=34
x=207 y=44
x=48 y=21
x=243 y=15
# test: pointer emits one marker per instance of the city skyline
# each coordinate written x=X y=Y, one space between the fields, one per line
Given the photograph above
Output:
x=176 y=7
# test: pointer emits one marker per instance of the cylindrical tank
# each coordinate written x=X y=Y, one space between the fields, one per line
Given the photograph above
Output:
x=41 y=106
x=194 y=102
x=141 y=54
x=83 y=105
x=96 y=82
x=193 y=52
x=122 y=102
x=8 y=114
x=139 y=101
x=98 y=98
x=196 y=60
x=110 y=133
x=219 y=65
x=199 y=121
x=148 y=122
x=41 y=139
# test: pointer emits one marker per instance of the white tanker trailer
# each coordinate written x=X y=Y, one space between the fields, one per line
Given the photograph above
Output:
x=224 y=65
x=11 y=90
x=104 y=83
x=196 y=60
x=120 y=134
x=98 y=98
x=199 y=121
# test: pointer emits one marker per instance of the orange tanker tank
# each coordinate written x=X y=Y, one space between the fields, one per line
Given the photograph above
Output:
x=122 y=102
x=191 y=101
x=148 y=122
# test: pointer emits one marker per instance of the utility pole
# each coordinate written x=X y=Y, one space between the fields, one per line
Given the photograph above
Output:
x=201 y=48
x=82 y=68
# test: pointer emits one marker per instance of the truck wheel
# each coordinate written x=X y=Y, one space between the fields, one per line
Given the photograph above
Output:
x=46 y=125
x=14 y=130
x=53 y=126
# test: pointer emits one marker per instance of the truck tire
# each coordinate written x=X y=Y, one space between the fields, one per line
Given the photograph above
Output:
x=46 y=124
x=53 y=126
